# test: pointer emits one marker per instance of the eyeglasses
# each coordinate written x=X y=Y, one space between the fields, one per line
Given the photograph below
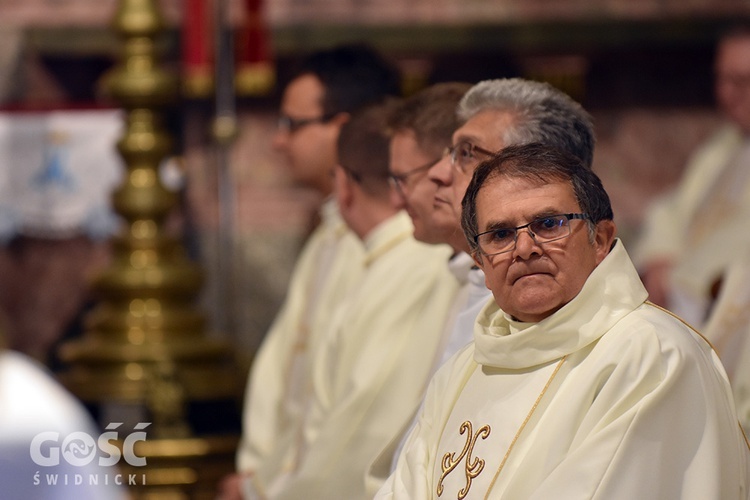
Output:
x=399 y=180
x=542 y=230
x=465 y=156
x=291 y=125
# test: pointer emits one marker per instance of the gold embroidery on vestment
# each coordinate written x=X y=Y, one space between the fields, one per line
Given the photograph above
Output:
x=473 y=466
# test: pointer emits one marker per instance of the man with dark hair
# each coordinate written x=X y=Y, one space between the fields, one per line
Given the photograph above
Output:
x=352 y=76
x=489 y=116
x=421 y=129
x=327 y=87
x=571 y=386
x=366 y=378
x=324 y=90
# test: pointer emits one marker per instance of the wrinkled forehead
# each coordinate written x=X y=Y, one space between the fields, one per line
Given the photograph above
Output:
x=510 y=190
x=512 y=197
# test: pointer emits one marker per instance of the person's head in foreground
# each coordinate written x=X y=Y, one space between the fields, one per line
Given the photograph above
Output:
x=538 y=222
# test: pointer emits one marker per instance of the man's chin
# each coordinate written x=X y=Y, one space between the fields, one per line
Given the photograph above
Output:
x=537 y=297
x=426 y=236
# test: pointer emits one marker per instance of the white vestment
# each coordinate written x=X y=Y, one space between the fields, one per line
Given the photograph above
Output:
x=278 y=387
x=728 y=329
x=609 y=398
x=370 y=372
x=697 y=224
x=458 y=332
x=462 y=328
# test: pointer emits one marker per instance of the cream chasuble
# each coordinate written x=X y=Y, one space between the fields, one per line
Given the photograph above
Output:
x=278 y=388
x=609 y=398
x=728 y=329
x=462 y=331
x=458 y=331
x=371 y=370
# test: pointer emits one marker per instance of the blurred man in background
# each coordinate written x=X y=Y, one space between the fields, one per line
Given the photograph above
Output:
x=321 y=95
x=370 y=371
x=691 y=234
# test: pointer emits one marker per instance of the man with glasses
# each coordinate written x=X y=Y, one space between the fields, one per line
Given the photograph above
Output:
x=421 y=128
x=322 y=93
x=495 y=114
x=365 y=375
x=499 y=113
x=492 y=114
x=575 y=386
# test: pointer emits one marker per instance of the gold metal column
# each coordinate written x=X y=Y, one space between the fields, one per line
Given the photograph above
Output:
x=144 y=352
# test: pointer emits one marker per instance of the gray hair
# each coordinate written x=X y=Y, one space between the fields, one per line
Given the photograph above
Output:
x=541 y=113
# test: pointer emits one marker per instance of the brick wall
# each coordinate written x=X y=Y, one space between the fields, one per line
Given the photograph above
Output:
x=647 y=114
x=640 y=154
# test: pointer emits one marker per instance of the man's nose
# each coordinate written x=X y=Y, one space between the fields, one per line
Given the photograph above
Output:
x=526 y=244
x=442 y=171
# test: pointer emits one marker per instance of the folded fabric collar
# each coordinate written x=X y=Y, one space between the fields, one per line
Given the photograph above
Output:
x=613 y=290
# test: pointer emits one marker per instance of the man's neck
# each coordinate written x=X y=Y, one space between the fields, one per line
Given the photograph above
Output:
x=370 y=216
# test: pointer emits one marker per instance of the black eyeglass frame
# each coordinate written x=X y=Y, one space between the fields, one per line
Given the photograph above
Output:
x=292 y=125
x=472 y=148
x=569 y=217
x=399 y=180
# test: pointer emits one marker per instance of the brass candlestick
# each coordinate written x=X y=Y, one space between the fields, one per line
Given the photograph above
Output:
x=144 y=352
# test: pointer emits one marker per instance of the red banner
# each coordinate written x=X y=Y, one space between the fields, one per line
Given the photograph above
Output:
x=198 y=47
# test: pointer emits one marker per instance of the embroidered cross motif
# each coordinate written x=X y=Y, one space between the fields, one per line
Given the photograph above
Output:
x=474 y=466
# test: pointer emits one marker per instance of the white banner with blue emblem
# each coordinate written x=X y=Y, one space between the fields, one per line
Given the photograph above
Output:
x=57 y=173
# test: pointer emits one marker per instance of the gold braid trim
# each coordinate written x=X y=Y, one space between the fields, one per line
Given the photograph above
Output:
x=523 y=425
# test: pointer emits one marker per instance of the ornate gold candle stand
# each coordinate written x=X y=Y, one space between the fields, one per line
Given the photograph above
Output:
x=144 y=356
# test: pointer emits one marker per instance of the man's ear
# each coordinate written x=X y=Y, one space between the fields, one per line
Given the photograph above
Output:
x=342 y=185
x=479 y=261
x=477 y=256
x=606 y=230
x=340 y=118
